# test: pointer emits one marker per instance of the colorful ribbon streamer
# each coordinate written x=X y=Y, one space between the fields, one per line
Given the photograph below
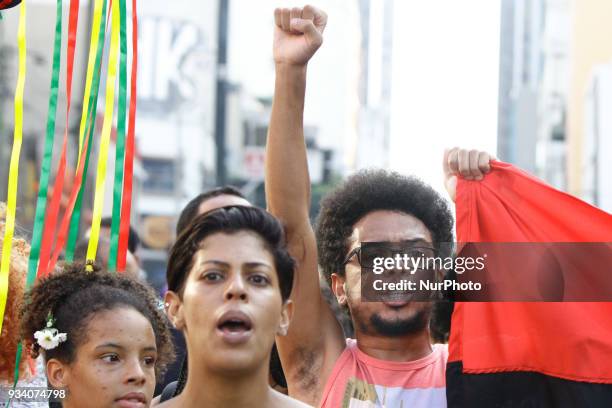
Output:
x=92 y=114
x=14 y=165
x=41 y=203
x=126 y=203
x=120 y=141
x=87 y=127
x=98 y=20
x=71 y=217
x=48 y=149
x=45 y=267
x=106 y=132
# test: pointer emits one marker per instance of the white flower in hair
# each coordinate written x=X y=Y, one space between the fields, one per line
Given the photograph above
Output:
x=46 y=338
x=49 y=337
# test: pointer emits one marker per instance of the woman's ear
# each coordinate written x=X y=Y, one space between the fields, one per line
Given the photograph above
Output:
x=286 y=314
x=174 y=309
x=58 y=373
x=339 y=288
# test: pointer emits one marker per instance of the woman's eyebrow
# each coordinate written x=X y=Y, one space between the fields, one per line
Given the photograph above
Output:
x=256 y=264
x=215 y=262
x=110 y=345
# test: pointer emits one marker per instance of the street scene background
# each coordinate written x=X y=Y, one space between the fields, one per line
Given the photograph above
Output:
x=395 y=82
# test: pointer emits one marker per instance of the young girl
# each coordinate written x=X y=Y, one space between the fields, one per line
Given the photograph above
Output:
x=103 y=337
x=229 y=279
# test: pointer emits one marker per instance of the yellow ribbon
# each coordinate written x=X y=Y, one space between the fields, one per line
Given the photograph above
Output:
x=93 y=47
x=111 y=80
x=14 y=166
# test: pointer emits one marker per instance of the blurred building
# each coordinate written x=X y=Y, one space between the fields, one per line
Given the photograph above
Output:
x=551 y=150
x=376 y=18
x=175 y=119
x=248 y=120
x=518 y=81
x=589 y=132
x=533 y=86
x=331 y=112
x=597 y=143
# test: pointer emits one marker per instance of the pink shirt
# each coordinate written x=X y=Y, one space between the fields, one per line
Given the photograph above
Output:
x=361 y=381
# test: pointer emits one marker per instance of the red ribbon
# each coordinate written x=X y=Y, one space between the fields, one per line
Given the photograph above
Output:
x=58 y=186
x=126 y=201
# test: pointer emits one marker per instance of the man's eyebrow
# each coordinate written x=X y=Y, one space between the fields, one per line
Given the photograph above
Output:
x=406 y=242
x=416 y=241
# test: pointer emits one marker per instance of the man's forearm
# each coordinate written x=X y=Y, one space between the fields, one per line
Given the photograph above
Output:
x=287 y=179
x=289 y=92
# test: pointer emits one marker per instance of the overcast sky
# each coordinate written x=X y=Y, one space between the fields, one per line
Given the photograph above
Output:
x=445 y=81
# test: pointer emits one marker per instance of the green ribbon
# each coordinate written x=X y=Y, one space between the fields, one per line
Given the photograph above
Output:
x=17 y=358
x=91 y=117
x=41 y=202
x=120 y=142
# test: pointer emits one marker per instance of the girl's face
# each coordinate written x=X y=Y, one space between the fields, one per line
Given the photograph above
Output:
x=231 y=308
x=114 y=366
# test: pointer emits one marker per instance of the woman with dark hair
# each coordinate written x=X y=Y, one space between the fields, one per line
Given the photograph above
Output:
x=229 y=279
x=103 y=336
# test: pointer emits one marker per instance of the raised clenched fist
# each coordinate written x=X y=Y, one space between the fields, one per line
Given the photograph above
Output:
x=298 y=34
x=469 y=164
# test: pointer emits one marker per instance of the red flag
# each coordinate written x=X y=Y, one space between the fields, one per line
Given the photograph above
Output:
x=566 y=341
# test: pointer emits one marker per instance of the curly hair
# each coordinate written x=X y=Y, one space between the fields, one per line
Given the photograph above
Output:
x=18 y=269
x=372 y=190
x=74 y=296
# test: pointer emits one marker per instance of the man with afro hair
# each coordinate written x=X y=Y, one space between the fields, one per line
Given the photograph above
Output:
x=392 y=361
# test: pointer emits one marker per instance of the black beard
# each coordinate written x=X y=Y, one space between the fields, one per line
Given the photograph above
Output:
x=399 y=327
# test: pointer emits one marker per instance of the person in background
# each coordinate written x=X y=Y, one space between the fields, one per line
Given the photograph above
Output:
x=132 y=264
x=207 y=201
x=132 y=267
x=133 y=238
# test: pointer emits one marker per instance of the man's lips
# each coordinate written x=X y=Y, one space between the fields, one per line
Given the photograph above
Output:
x=132 y=400
x=396 y=303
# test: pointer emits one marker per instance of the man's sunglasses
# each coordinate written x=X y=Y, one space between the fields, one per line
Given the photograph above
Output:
x=390 y=252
